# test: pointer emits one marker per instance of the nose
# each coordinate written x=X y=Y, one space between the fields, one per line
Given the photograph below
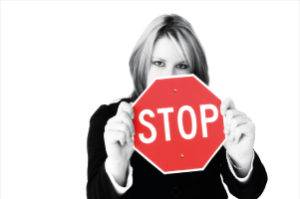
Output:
x=168 y=71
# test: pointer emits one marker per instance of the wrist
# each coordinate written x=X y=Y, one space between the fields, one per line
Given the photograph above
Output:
x=118 y=169
x=242 y=164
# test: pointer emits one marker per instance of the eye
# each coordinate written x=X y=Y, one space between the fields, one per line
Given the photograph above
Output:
x=158 y=63
x=182 y=66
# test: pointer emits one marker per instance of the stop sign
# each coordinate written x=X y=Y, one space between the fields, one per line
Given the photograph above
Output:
x=178 y=125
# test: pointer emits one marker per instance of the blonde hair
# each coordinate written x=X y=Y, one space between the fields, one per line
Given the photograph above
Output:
x=178 y=30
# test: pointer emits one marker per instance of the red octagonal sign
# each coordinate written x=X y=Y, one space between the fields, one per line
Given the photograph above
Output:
x=178 y=125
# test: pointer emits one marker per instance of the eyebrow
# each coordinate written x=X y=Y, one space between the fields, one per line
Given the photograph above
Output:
x=181 y=62
x=158 y=58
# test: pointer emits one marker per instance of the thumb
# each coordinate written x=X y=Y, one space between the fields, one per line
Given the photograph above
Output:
x=226 y=104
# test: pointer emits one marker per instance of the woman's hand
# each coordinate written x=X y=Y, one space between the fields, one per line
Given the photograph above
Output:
x=118 y=138
x=240 y=132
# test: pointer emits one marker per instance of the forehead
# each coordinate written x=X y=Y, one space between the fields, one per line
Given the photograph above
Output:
x=168 y=48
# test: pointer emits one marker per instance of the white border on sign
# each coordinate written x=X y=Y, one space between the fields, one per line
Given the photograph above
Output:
x=187 y=170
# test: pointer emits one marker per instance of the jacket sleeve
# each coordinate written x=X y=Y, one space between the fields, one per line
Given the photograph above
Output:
x=98 y=186
x=250 y=189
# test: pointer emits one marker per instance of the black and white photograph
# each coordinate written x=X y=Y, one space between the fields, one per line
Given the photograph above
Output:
x=150 y=99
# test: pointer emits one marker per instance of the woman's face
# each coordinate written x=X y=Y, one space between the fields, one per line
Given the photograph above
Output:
x=167 y=60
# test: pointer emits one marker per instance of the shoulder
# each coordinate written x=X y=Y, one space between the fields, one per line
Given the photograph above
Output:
x=106 y=111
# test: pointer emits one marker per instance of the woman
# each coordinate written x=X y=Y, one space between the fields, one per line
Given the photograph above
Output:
x=169 y=46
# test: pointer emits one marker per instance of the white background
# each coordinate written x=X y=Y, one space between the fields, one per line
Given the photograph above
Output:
x=61 y=60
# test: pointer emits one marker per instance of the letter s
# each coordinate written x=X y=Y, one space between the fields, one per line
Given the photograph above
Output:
x=149 y=125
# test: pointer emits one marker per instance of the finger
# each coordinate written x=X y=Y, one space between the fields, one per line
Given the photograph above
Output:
x=118 y=126
x=236 y=122
x=233 y=124
x=237 y=135
x=116 y=136
x=232 y=113
x=230 y=135
x=229 y=116
x=126 y=107
x=226 y=127
x=226 y=105
x=124 y=117
x=116 y=123
x=246 y=129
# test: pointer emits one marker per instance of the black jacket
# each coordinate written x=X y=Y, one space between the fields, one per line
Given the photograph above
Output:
x=148 y=182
